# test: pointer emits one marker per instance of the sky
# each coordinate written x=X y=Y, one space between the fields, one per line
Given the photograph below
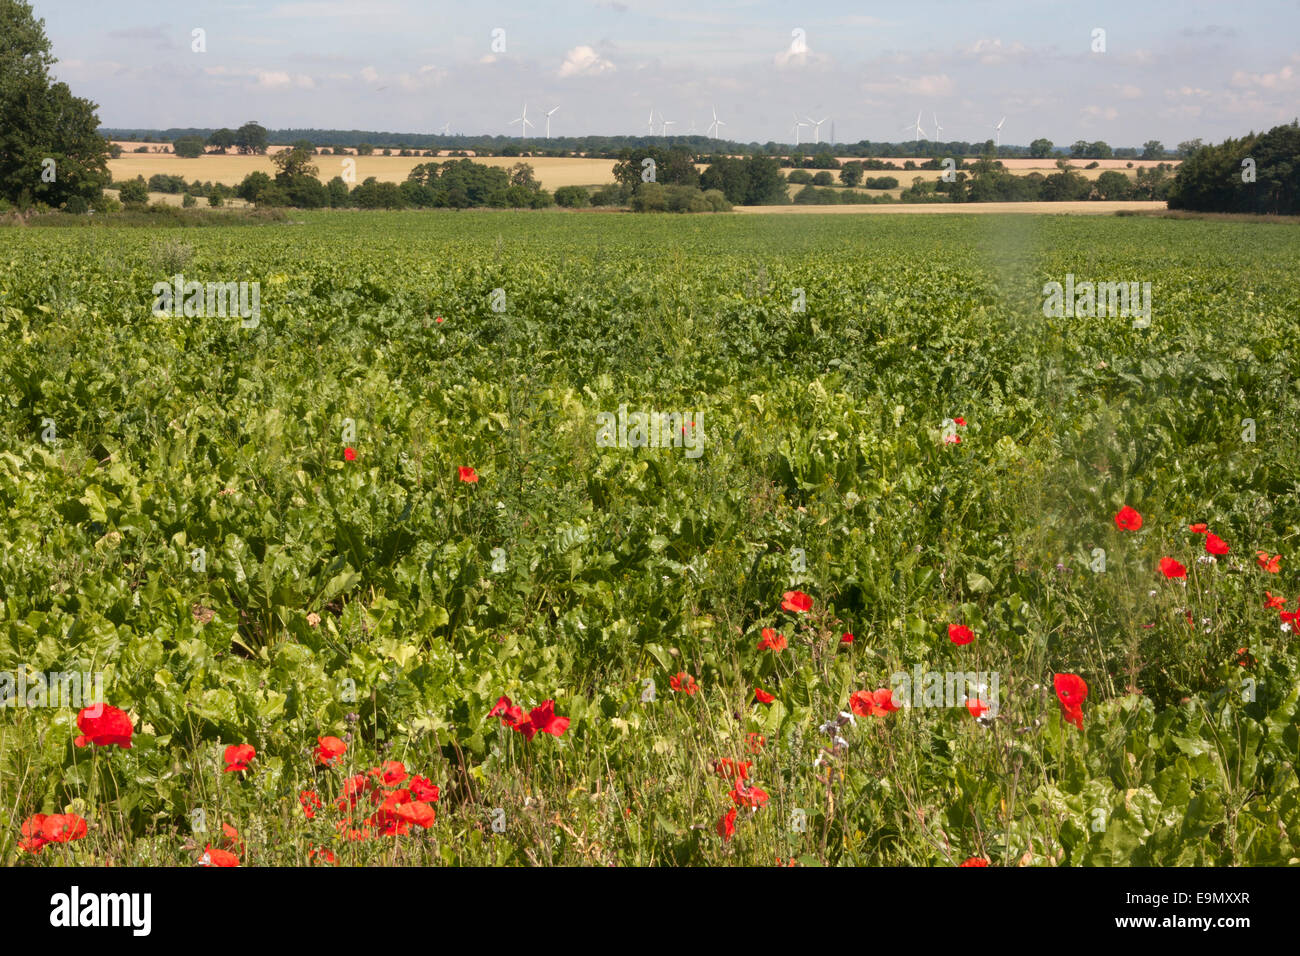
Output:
x=1165 y=71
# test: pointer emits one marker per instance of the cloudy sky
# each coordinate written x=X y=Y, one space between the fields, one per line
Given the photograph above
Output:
x=1169 y=71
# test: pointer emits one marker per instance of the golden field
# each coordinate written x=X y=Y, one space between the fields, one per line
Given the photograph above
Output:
x=230 y=169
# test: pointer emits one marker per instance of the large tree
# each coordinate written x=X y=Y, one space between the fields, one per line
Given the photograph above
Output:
x=50 y=151
x=251 y=138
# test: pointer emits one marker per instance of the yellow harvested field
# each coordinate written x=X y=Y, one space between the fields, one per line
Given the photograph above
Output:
x=962 y=208
x=552 y=172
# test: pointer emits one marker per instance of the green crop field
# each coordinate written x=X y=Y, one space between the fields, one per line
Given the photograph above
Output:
x=260 y=529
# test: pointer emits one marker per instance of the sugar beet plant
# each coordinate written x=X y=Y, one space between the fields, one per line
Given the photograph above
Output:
x=592 y=539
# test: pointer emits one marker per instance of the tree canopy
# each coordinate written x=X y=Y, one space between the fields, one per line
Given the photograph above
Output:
x=50 y=150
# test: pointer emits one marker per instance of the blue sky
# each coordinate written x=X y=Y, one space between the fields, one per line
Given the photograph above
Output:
x=1170 y=71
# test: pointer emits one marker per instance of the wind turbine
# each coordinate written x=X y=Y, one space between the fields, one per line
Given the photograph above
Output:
x=817 y=127
x=548 y=122
x=997 y=132
x=937 y=128
x=667 y=123
x=716 y=125
x=522 y=119
x=917 y=126
x=797 y=124
x=650 y=123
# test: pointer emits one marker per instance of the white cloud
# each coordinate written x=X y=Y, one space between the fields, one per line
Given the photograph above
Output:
x=1100 y=112
x=1128 y=91
x=1283 y=79
x=273 y=79
x=584 y=61
x=370 y=74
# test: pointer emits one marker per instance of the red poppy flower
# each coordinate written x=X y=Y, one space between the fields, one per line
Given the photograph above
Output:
x=63 y=828
x=1200 y=528
x=684 y=683
x=762 y=696
x=329 y=750
x=104 y=726
x=230 y=839
x=953 y=439
x=1274 y=600
x=733 y=769
x=796 y=601
x=847 y=638
x=1288 y=617
x=438 y=319
x=727 y=825
x=976 y=707
x=754 y=743
x=1171 y=568
x=511 y=714
x=1214 y=544
x=542 y=719
x=1073 y=715
x=960 y=634
x=33 y=833
x=422 y=789
x=1272 y=565
x=1072 y=690
x=349 y=454
x=391 y=773
x=752 y=797
x=416 y=814
x=215 y=857
x=772 y=640
x=1127 y=519
x=959 y=421
x=468 y=474
x=238 y=757
x=310 y=801
x=974 y=861
x=322 y=854
x=866 y=703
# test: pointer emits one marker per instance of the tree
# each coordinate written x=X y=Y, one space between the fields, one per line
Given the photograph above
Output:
x=133 y=192
x=222 y=139
x=571 y=197
x=851 y=173
x=364 y=149
x=293 y=163
x=1188 y=146
x=1079 y=149
x=823 y=178
x=1153 y=149
x=1040 y=148
x=1212 y=179
x=189 y=147
x=251 y=138
x=253 y=186
x=338 y=191
x=1112 y=185
x=50 y=150
x=1098 y=150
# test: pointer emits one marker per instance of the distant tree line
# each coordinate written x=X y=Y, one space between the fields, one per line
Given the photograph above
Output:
x=610 y=147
